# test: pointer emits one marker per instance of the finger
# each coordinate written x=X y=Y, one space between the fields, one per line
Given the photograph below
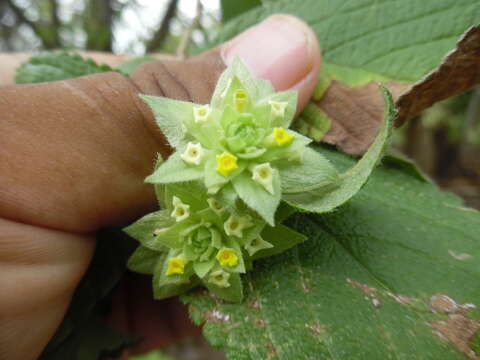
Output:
x=39 y=269
x=281 y=49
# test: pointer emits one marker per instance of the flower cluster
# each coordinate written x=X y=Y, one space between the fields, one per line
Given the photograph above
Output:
x=201 y=237
x=240 y=139
x=237 y=172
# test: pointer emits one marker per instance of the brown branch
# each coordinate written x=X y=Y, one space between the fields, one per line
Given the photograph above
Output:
x=186 y=37
x=159 y=36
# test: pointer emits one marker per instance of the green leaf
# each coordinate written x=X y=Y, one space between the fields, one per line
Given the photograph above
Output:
x=380 y=40
x=175 y=170
x=281 y=237
x=56 y=65
x=360 y=287
x=314 y=171
x=143 y=229
x=313 y=122
x=143 y=260
x=325 y=200
x=256 y=197
x=168 y=114
x=233 y=293
x=129 y=66
x=231 y=9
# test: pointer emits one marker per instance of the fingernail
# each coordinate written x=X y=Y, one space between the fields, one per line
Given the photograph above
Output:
x=279 y=49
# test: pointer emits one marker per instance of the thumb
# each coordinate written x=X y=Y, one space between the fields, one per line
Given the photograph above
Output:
x=281 y=49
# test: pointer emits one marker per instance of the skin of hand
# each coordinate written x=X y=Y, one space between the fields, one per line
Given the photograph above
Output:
x=73 y=156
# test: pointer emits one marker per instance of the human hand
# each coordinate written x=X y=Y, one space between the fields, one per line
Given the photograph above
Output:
x=73 y=157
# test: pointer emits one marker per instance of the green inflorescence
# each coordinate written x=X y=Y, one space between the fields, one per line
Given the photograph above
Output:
x=235 y=160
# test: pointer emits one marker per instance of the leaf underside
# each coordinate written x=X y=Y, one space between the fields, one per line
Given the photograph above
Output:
x=376 y=40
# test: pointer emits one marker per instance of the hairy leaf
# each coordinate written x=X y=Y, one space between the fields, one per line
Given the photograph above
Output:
x=353 y=179
x=378 y=40
x=167 y=112
x=56 y=65
x=314 y=171
x=368 y=283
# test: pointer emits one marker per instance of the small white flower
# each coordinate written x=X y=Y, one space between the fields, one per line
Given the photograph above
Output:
x=236 y=224
x=263 y=174
x=180 y=211
x=193 y=154
x=219 y=278
x=278 y=108
x=201 y=113
x=216 y=206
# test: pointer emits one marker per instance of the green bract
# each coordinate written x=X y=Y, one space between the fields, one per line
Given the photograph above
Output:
x=235 y=161
x=199 y=238
x=241 y=138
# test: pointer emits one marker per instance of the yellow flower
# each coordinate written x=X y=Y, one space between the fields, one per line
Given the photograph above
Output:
x=227 y=257
x=240 y=99
x=226 y=163
x=281 y=137
x=176 y=266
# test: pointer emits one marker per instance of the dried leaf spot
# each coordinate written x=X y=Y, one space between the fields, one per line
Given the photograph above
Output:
x=260 y=323
x=316 y=328
x=459 y=330
x=443 y=304
x=460 y=257
x=216 y=316
x=271 y=351
x=376 y=303
x=401 y=299
x=368 y=290
x=255 y=304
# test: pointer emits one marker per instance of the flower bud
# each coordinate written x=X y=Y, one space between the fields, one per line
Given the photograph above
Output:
x=201 y=113
x=236 y=224
x=193 y=154
x=263 y=174
x=180 y=211
x=219 y=278
x=278 y=108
